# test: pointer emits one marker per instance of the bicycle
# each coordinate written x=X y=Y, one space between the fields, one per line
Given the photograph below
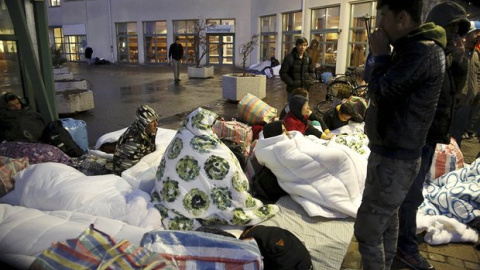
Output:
x=341 y=87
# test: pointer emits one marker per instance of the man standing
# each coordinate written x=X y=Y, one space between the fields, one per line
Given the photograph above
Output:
x=465 y=98
x=297 y=69
x=404 y=89
x=453 y=19
x=175 y=53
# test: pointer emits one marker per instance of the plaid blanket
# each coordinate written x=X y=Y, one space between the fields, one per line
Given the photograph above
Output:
x=200 y=250
x=94 y=249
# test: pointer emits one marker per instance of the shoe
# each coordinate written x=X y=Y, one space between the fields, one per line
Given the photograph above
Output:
x=468 y=136
x=415 y=261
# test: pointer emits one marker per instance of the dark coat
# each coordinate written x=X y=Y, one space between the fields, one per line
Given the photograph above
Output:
x=404 y=90
x=455 y=77
x=296 y=72
x=175 y=51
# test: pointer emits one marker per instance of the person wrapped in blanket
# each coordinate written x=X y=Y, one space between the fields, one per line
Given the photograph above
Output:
x=325 y=180
x=340 y=115
x=137 y=141
x=297 y=118
x=200 y=181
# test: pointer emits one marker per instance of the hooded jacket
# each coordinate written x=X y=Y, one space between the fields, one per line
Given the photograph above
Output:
x=444 y=14
x=135 y=143
x=404 y=90
x=295 y=71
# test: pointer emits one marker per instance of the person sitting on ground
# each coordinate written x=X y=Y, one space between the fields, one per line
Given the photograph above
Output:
x=312 y=118
x=18 y=122
x=326 y=180
x=137 y=141
x=297 y=118
x=340 y=115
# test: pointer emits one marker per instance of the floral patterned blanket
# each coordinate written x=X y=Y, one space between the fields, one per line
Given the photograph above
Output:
x=200 y=181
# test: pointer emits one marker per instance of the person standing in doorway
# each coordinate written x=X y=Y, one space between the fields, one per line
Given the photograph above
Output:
x=404 y=89
x=453 y=18
x=175 y=54
x=297 y=68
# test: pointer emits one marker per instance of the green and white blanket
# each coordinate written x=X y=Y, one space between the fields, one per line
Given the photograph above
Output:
x=200 y=181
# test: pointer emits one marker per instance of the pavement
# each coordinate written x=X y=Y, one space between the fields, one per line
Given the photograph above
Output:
x=119 y=89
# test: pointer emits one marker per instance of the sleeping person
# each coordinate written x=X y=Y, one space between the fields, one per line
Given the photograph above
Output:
x=327 y=181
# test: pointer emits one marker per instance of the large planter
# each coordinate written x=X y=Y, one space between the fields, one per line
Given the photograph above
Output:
x=60 y=70
x=235 y=87
x=71 y=84
x=200 y=72
x=73 y=101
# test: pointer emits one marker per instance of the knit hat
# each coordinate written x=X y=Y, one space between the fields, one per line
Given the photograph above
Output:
x=446 y=13
x=273 y=129
x=474 y=25
x=296 y=104
x=145 y=115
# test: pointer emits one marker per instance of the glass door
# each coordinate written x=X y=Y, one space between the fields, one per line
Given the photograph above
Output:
x=220 y=49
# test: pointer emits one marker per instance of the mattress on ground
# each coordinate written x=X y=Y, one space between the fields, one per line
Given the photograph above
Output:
x=326 y=239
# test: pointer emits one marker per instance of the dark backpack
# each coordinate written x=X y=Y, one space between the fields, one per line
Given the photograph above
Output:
x=55 y=134
x=281 y=249
x=265 y=186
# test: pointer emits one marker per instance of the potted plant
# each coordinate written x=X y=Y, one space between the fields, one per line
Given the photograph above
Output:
x=236 y=85
x=200 y=49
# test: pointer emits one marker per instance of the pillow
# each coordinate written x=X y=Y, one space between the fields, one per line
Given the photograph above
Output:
x=8 y=168
x=253 y=110
x=35 y=152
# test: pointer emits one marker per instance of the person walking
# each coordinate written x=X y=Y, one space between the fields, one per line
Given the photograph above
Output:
x=175 y=54
x=453 y=18
x=297 y=68
x=404 y=89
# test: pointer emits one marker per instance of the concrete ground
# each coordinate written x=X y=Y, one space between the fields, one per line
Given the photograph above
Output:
x=120 y=89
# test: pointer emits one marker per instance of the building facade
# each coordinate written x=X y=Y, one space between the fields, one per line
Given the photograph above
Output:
x=139 y=32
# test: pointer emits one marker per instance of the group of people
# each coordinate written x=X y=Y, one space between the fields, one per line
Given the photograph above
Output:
x=422 y=92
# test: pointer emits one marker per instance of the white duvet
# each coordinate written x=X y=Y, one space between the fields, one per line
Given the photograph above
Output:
x=55 y=186
x=327 y=181
x=39 y=229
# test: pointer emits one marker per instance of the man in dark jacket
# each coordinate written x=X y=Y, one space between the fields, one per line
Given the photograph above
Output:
x=297 y=69
x=453 y=18
x=175 y=54
x=404 y=89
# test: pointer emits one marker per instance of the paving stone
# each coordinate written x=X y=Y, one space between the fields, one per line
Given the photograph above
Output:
x=460 y=251
x=455 y=261
x=436 y=257
x=473 y=266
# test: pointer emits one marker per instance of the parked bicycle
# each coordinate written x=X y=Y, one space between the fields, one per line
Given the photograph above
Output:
x=343 y=86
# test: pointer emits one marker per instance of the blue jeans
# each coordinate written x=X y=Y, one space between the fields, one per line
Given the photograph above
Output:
x=407 y=214
x=376 y=226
